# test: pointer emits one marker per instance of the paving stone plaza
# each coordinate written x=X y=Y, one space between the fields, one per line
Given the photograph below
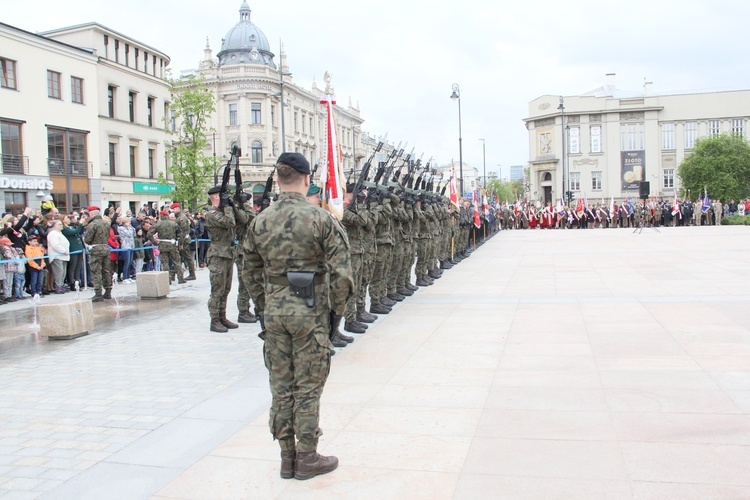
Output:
x=550 y=364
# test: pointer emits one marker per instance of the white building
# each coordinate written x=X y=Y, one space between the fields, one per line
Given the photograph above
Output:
x=516 y=173
x=48 y=121
x=249 y=86
x=472 y=177
x=603 y=143
x=132 y=105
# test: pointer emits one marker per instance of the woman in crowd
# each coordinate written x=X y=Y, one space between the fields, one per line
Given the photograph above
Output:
x=127 y=243
x=58 y=250
x=72 y=231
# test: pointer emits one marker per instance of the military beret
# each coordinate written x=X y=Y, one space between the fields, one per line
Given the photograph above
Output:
x=174 y=205
x=92 y=208
x=350 y=187
x=313 y=190
x=295 y=160
x=214 y=190
x=164 y=212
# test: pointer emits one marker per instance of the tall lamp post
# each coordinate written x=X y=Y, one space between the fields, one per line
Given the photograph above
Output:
x=484 y=164
x=282 y=74
x=565 y=194
x=457 y=95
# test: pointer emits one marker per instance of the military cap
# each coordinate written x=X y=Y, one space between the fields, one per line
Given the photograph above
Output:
x=174 y=205
x=164 y=213
x=92 y=208
x=313 y=190
x=295 y=160
x=214 y=190
x=350 y=187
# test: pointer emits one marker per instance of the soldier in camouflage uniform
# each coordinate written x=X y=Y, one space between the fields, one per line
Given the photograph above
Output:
x=379 y=303
x=97 y=235
x=243 y=217
x=184 y=240
x=167 y=242
x=370 y=248
x=294 y=241
x=398 y=253
x=221 y=223
x=354 y=221
x=407 y=237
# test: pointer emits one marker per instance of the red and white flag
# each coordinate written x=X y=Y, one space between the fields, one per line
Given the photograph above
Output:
x=486 y=206
x=453 y=193
x=474 y=203
x=676 y=206
x=612 y=207
x=332 y=178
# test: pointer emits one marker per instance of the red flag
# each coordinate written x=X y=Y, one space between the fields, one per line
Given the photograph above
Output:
x=477 y=222
x=332 y=176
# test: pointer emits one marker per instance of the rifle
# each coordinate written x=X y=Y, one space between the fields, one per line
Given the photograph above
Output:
x=418 y=182
x=312 y=174
x=381 y=167
x=239 y=196
x=406 y=162
x=365 y=172
x=265 y=200
x=392 y=163
x=234 y=157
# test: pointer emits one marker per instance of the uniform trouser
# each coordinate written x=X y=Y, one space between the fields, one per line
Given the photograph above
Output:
x=406 y=263
x=380 y=273
x=297 y=353
x=101 y=276
x=368 y=268
x=187 y=257
x=422 y=244
x=397 y=257
x=351 y=304
x=433 y=249
x=167 y=251
x=243 y=294
x=220 y=276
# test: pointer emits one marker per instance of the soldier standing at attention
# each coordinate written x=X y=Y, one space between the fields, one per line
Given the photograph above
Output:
x=244 y=214
x=184 y=240
x=297 y=258
x=167 y=242
x=221 y=223
x=97 y=234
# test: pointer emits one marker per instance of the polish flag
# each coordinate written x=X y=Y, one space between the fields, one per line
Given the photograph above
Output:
x=477 y=222
x=332 y=177
x=453 y=193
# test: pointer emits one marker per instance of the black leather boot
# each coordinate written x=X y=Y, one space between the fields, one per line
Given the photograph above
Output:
x=310 y=464
x=287 y=464
x=354 y=327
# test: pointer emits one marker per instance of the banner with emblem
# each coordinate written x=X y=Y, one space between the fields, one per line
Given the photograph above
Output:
x=332 y=177
x=453 y=193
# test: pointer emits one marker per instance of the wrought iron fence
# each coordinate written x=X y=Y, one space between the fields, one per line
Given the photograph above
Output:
x=74 y=168
x=14 y=164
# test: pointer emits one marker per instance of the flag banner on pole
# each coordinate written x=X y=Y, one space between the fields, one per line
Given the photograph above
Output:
x=477 y=222
x=612 y=206
x=332 y=177
x=453 y=193
x=706 y=203
x=676 y=206
x=486 y=205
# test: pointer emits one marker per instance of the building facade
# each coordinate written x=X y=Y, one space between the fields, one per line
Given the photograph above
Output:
x=604 y=143
x=132 y=105
x=48 y=121
x=261 y=109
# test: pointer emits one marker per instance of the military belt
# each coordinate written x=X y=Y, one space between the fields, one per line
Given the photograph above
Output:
x=284 y=281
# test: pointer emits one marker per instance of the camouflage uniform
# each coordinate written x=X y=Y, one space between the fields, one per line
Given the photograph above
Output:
x=384 y=239
x=167 y=243
x=185 y=255
x=294 y=235
x=407 y=234
x=354 y=223
x=398 y=252
x=97 y=235
x=243 y=217
x=370 y=248
x=221 y=225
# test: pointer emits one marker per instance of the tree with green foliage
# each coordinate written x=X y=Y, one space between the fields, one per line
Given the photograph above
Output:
x=191 y=170
x=720 y=164
x=505 y=190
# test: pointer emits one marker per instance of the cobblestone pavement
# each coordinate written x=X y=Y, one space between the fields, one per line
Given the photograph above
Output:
x=551 y=364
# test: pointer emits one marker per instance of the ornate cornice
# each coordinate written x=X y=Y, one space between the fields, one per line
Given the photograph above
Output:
x=629 y=117
x=544 y=123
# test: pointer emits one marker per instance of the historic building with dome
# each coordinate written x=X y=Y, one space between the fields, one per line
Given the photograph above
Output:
x=261 y=109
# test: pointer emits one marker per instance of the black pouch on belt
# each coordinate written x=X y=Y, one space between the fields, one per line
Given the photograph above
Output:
x=303 y=285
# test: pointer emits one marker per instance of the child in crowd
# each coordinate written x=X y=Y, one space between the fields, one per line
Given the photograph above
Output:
x=8 y=269
x=35 y=252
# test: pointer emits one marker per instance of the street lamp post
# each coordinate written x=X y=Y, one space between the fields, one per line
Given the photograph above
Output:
x=282 y=74
x=484 y=163
x=565 y=191
x=457 y=95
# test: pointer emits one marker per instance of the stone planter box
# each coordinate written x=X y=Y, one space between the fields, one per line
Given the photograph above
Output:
x=152 y=284
x=66 y=320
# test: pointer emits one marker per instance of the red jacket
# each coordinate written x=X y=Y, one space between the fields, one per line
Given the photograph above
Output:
x=113 y=242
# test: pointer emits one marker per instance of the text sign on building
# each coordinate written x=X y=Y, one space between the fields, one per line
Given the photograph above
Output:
x=254 y=86
x=152 y=188
x=632 y=169
x=25 y=183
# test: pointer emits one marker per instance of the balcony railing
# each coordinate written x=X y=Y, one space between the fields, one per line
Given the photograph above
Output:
x=74 y=168
x=13 y=164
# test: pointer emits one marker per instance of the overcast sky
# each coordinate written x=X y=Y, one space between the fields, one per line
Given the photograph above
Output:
x=399 y=58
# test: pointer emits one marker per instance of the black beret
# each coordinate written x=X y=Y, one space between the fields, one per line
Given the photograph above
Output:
x=350 y=187
x=295 y=160
x=214 y=190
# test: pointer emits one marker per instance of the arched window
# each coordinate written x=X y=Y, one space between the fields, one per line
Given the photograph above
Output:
x=257 y=151
x=547 y=177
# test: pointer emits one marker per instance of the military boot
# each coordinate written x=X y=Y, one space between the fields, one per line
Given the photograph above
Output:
x=422 y=282
x=360 y=324
x=396 y=296
x=445 y=265
x=310 y=464
x=405 y=292
x=180 y=280
x=224 y=321
x=379 y=309
x=287 y=463
x=337 y=341
x=387 y=302
x=246 y=317
x=98 y=296
x=107 y=293
x=216 y=326
x=191 y=278
x=411 y=287
x=364 y=316
x=354 y=327
x=346 y=338
x=433 y=275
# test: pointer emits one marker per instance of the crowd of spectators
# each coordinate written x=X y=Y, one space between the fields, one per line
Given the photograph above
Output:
x=43 y=250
